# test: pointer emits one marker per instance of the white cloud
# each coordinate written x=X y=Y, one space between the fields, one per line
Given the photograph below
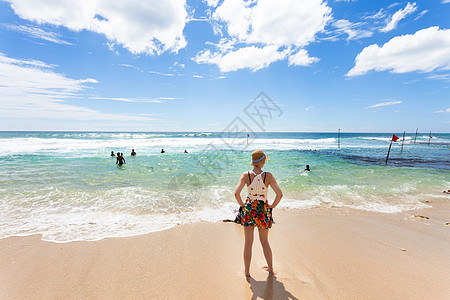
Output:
x=386 y=103
x=30 y=89
x=393 y=5
x=309 y=108
x=212 y=3
x=252 y=57
x=398 y=16
x=281 y=28
x=421 y=14
x=133 y=100
x=161 y=73
x=282 y=23
x=351 y=29
x=131 y=67
x=236 y=14
x=301 y=58
x=445 y=111
x=150 y=26
x=445 y=1
x=38 y=33
x=444 y=77
x=288 y=22
x=381 y=14
x=426 y=50
x=177 y=64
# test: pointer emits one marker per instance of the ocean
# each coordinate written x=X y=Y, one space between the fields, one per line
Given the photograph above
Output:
x=65 y=185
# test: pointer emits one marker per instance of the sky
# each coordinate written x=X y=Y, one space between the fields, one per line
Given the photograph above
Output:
x=184 y=65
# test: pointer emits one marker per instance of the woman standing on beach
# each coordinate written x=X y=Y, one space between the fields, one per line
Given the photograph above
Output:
x=256 y=211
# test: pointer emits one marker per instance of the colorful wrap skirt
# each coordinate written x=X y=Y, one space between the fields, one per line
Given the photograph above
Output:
x=256 y=213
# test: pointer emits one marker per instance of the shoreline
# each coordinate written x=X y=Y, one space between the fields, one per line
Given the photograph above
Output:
x=319 y=253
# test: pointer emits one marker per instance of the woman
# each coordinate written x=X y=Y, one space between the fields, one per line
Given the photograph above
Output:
x=256 y=211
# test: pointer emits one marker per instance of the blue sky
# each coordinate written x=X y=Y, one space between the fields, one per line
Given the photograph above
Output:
x=174 y=65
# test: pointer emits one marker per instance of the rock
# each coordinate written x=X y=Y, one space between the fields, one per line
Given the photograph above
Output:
x=420 y=216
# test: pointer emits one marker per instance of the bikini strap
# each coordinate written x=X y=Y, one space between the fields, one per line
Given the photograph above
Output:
x=249 y=178
x=264 y=180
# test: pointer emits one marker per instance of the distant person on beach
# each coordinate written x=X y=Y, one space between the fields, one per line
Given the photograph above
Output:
x=307 y=168
x=185 y=151
x=120 y=159
x=446 y=192
x=256 y=211
x=133 y=153
x=112 y=153
x=162 y=151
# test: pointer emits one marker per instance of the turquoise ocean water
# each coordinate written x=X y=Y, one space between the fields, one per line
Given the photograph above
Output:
x=65 y=186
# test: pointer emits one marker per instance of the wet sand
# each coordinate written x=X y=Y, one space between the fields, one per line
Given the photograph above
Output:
x=321 y=253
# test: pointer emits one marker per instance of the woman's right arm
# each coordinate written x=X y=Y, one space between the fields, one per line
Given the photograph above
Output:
x=237 y=192
x=279 y=194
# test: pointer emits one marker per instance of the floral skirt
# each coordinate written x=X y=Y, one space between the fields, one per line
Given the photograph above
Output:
x=256 y=213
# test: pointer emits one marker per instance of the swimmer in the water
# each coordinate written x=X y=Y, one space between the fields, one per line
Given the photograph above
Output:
x=120 y=159
x=112 y=153
x=133 y=153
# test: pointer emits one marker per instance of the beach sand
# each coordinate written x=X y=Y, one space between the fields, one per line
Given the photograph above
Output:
x=320 y=253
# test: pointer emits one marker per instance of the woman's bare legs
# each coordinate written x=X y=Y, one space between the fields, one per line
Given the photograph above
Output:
x=264 y=239
x=248 y=243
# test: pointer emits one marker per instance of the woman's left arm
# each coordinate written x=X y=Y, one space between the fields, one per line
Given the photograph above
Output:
x=237 y=192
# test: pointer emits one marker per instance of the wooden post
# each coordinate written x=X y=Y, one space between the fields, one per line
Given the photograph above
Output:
x=415 y=137
x=403 y=140
x=339 y=138
x=387 y=157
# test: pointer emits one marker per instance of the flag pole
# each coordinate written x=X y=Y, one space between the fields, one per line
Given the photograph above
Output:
x=393 y=139
x=387 y=157
x=339 y=138
x=415 y=136
x=403 y=140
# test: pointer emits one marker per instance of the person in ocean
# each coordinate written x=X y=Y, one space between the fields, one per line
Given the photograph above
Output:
x=162 y=151
x=133 y=153
x=120 y=159
x=307 y=168
x=256 y=211
x=185 y=151
x=112 y=153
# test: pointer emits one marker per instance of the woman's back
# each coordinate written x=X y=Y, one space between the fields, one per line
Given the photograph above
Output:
x=257 y=189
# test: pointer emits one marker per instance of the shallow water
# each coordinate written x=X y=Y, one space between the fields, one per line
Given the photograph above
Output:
x=65 y=185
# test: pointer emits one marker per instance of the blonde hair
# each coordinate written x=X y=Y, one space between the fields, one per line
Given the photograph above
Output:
x=258 y=158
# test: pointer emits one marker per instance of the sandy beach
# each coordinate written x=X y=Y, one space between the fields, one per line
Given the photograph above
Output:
x=321 y=253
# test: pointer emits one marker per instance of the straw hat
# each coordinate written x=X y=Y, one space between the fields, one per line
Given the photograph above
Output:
x=258 y=156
